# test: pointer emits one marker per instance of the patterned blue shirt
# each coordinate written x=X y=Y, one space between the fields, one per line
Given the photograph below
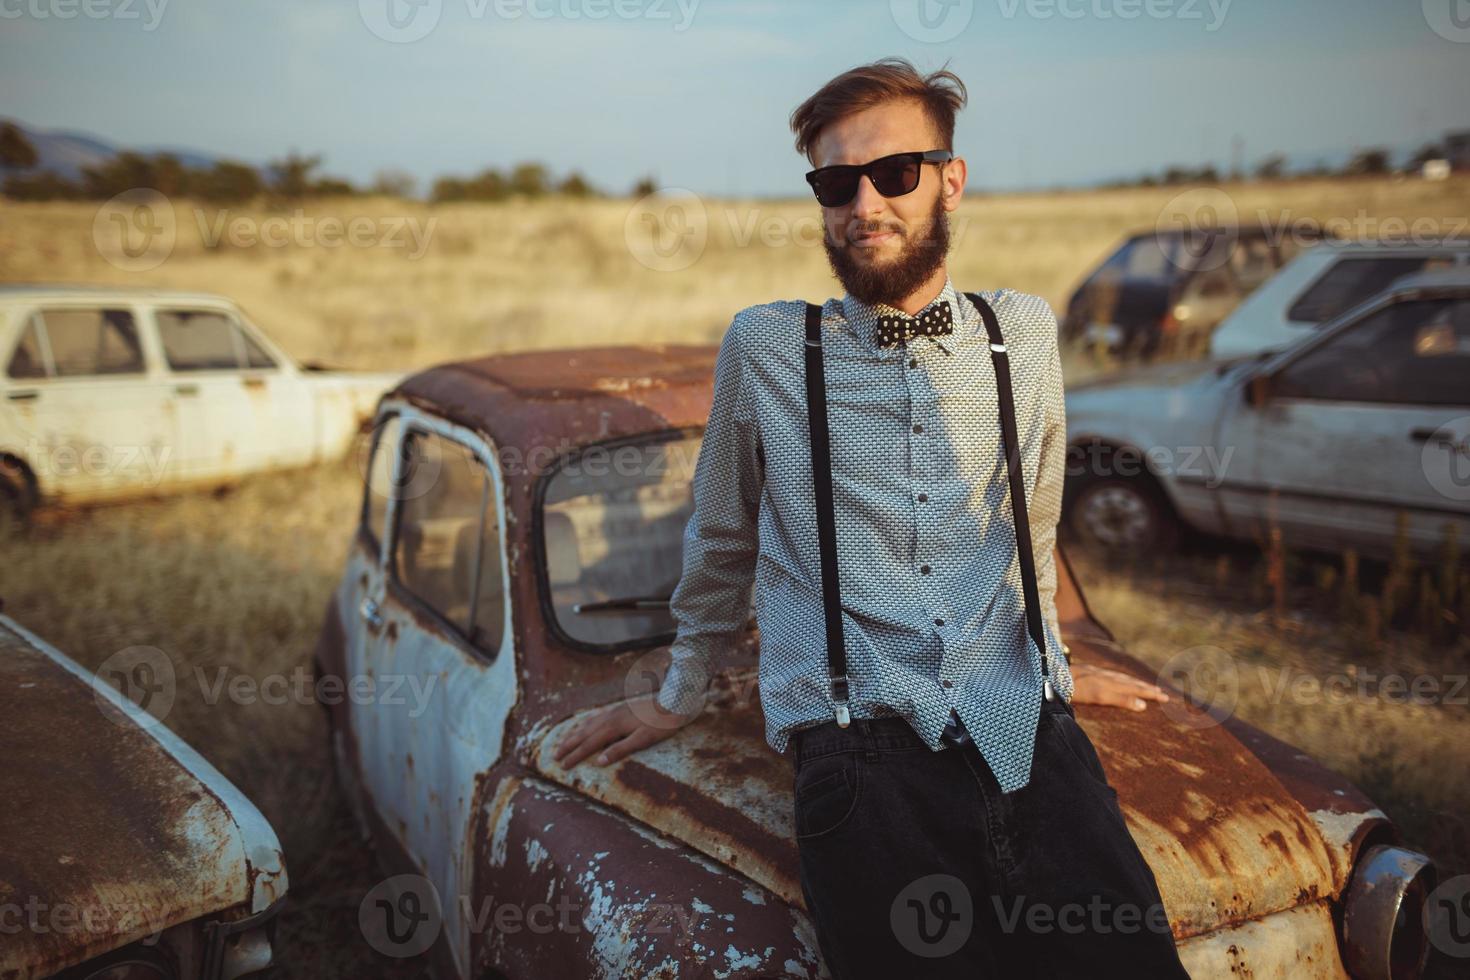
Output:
x=932 y=608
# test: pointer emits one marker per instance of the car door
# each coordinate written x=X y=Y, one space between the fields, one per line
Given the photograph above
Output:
x=92 y=418
x=431 y=646
x=1368 y=424
x=203 y=355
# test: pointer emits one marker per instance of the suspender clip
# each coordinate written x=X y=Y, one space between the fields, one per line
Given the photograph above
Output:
x=839 y=696
x=1046 y=689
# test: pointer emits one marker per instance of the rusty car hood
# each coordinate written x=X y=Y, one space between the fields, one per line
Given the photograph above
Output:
x=1208 y=814
x=111 y=831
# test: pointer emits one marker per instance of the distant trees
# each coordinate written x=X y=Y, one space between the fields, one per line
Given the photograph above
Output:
x=1373 y=161
x=16 y=151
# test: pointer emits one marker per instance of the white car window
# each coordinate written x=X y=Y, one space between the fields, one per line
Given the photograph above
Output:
x=446 y=549
x=27 y=360
x=1414 y=353
x=1351 y=281
x=87 y=343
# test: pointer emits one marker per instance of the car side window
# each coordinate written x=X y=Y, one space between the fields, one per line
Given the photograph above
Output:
x=90 y=342
x=1349 y=282
x=206 y=340
x=27 y=360
x=378 y=487
x=1414 y=353
x=446 y=549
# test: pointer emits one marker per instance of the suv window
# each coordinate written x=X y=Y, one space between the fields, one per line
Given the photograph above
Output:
x=207 y=340
x=612 y=524
x=86 y=343
x=1412 y=353
x=446 y=551
x=1350 y=282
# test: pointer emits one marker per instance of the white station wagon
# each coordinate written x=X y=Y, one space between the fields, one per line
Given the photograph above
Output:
x=1335 y=440
x=108 y=392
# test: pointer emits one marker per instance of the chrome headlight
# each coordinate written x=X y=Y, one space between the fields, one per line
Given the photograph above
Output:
x=1383 y=936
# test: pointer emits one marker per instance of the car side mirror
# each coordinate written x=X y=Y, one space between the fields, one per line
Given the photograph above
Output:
x=1258 y=390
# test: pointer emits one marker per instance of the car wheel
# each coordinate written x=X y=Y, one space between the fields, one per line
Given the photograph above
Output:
x=1126 y=515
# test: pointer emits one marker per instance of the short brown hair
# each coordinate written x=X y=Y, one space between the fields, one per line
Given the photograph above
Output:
x=941 y=94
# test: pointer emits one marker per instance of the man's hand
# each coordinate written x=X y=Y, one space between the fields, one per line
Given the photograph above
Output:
x=618 y=730
x=1101 y=685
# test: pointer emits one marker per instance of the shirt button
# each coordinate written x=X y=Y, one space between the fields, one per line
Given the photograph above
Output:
x=939 y=622
x=913 y=362
x=918 y=428
x=923 y=498
x=948 y=683
x=924 y=569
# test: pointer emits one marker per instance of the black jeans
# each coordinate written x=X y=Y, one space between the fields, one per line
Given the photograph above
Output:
x=915 y=864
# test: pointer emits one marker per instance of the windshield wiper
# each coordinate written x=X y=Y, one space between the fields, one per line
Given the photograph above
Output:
x=626 y=604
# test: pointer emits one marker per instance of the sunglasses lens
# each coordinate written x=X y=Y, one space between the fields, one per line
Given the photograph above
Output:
x=836 y=189
x=896 y=177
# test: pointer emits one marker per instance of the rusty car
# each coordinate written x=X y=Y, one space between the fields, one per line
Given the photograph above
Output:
x=110 y=392
x=519 y=536
x=124 y=855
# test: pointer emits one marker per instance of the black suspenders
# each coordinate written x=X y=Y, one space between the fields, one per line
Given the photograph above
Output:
x=820 y=438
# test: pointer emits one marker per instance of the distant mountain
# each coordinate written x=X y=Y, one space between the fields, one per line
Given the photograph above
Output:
x=65 y=153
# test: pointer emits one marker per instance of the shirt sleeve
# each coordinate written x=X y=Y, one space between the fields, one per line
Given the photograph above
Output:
x=711 y=604
x=1046 y=511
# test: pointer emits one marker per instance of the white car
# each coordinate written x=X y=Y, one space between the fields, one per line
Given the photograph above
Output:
x=110 y=392
x=1334 y=440
x=1321 y=283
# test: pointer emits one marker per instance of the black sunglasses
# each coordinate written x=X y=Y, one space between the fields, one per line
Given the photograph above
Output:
x=892 y=176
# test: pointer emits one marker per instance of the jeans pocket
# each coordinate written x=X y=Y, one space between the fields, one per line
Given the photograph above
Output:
x=826 y=794
x=1075 y=743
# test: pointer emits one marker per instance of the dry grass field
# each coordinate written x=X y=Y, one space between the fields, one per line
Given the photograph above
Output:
x=237 y=580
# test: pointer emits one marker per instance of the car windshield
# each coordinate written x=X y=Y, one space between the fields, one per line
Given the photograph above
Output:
x=612 y=525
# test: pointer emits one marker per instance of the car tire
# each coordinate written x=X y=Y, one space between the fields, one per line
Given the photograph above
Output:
x=1124 y=515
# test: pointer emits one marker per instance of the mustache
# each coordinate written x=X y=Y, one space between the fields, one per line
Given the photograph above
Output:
x=860 y=226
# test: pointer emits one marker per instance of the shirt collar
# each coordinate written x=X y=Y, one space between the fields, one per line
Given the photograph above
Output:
x=863 y=318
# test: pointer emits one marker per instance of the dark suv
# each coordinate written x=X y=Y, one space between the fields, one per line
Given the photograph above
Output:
x=1161 y=293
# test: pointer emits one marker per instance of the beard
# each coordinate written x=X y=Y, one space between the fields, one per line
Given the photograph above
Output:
x=921 y=254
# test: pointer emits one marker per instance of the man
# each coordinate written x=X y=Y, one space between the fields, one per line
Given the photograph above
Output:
x=961 y=823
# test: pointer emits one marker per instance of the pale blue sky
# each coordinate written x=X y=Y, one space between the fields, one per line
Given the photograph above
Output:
x=1062 y=91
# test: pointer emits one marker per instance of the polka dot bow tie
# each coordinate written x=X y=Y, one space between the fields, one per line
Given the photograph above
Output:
x=931 y=322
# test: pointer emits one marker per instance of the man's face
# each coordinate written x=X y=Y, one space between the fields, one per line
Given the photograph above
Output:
x=883 y=248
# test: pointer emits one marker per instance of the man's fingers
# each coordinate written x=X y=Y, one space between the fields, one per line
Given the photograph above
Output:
x=629 y=743
x=595 y=739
